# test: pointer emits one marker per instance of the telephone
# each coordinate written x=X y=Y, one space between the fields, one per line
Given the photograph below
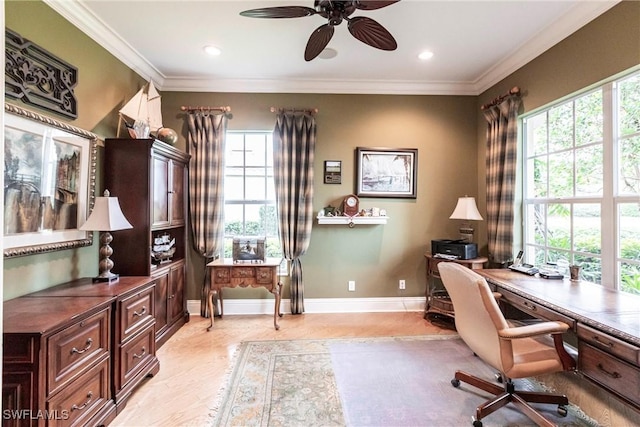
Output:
x=522 y=268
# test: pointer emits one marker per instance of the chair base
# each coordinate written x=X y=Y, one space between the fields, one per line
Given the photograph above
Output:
x=520 y=399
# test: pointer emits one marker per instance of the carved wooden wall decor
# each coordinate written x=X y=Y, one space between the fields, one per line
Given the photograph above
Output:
x=39 y=78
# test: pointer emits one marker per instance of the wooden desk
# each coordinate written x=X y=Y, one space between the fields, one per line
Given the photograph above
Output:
x=438 y=301
x=606 y=322
x=227 y=274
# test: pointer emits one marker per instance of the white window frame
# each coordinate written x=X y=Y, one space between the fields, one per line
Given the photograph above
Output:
x=243 y=200
x=610 y=199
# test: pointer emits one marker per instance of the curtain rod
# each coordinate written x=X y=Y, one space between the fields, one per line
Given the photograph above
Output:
x=294 y=110
x=223 y=109
x=514 y=91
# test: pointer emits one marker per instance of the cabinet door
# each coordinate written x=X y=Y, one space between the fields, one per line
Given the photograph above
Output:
x=178 y=193
x=160 y=188
x=18 y=394
x=162 y=288
x=176 y=297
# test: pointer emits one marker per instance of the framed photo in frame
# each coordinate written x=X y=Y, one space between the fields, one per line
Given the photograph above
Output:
x=50 y=175
x=386 y=172
x=332 y=172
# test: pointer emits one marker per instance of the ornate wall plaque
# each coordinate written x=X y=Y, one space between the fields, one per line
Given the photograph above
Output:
x=39 y=78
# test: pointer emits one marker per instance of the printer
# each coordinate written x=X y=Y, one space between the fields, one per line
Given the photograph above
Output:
x=458 y=248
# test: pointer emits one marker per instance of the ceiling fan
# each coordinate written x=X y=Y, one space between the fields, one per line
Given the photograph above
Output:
x=364 y=29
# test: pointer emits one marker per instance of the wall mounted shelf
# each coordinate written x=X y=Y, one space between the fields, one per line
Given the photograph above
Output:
x=351 y=221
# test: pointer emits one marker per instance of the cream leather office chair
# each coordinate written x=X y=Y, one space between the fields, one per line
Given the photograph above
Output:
x=517 y=352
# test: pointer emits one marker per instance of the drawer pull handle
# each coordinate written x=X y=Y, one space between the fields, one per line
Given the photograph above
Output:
x=84 y=405
x=613 y=374
x=599 y=341
x=142 y=313
x=142 y=353
x=86 y=347
x=529 y=306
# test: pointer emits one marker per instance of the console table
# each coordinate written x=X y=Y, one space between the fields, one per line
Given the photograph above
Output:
x=606 y=322
x=438 y=301
x=227 y=274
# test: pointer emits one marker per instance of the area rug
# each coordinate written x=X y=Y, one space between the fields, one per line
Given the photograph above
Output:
x=391 y=381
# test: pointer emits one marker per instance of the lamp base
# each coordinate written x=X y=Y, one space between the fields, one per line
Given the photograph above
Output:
x=106 y=278
x=466 y=234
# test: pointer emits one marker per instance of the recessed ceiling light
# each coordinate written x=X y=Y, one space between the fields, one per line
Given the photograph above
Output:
x=328 y=53
x=426 y=55
x=212 y=50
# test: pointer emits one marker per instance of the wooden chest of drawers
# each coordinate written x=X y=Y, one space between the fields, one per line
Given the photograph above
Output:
x=57 y=361
x=75 y=352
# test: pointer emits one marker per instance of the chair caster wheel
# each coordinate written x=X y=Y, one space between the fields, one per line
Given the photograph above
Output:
x=498 y=378
x=562 y=410
x=477 y=423
x=455 y=383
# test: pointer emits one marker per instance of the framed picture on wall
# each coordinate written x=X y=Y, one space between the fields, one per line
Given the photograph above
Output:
x=49 y=183
x=386 y=172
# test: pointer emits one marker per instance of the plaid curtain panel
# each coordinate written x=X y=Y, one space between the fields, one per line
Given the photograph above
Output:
x=294 y=140
x=502 y=135
x=206 y=145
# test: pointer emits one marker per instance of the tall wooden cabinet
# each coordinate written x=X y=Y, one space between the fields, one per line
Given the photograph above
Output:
x=149 y=178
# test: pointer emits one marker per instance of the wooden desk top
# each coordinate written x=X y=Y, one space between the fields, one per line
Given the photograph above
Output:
x=613 y=312
x=228 y=262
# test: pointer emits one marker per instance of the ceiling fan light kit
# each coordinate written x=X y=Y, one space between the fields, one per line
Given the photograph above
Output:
x=362 y=28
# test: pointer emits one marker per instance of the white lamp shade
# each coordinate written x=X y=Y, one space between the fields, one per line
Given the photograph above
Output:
x=106 y=215
x=466 y=209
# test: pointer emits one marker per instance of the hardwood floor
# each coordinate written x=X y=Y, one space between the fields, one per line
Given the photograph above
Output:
x=194 y=362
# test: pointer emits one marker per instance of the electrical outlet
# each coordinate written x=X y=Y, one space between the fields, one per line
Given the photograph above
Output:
x=352 y=285
x=401 y=284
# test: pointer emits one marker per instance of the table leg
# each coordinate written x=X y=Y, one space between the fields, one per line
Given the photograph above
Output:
x=276 y=310
x=211 y=295
x=221 y=299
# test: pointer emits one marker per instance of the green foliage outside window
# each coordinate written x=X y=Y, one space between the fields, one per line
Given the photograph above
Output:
x=567 y=192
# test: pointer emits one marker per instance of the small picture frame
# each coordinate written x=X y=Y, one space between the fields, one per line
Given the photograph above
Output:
x=248 y=249
x=332 y=172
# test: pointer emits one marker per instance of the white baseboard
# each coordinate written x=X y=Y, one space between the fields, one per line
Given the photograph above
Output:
x=318 y=305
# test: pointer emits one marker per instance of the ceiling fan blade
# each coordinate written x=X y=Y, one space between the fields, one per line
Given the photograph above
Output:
x=318 y=41
x=370 y=32
x=373 y=4
x=279 y=12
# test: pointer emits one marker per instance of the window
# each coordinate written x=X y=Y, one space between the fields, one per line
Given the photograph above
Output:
x=249 y=192
x=581 y=201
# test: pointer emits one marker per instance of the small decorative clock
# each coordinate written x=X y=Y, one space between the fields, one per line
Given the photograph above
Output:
x=351 y=205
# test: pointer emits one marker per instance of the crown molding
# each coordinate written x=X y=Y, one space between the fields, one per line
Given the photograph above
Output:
x=379 y=87
x=80 y=16
x=579 y=16
x=86 y=21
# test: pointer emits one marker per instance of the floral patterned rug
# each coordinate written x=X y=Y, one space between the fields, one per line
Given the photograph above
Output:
x=391 y=381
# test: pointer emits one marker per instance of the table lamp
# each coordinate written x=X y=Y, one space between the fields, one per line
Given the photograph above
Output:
x=106 y=216
x=466 y=210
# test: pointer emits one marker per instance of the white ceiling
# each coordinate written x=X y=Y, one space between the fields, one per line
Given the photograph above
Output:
x=475 y=43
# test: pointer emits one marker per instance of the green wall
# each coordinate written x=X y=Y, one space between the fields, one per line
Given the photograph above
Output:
x=104 y=84
x=376 y=257
x=447 y=130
